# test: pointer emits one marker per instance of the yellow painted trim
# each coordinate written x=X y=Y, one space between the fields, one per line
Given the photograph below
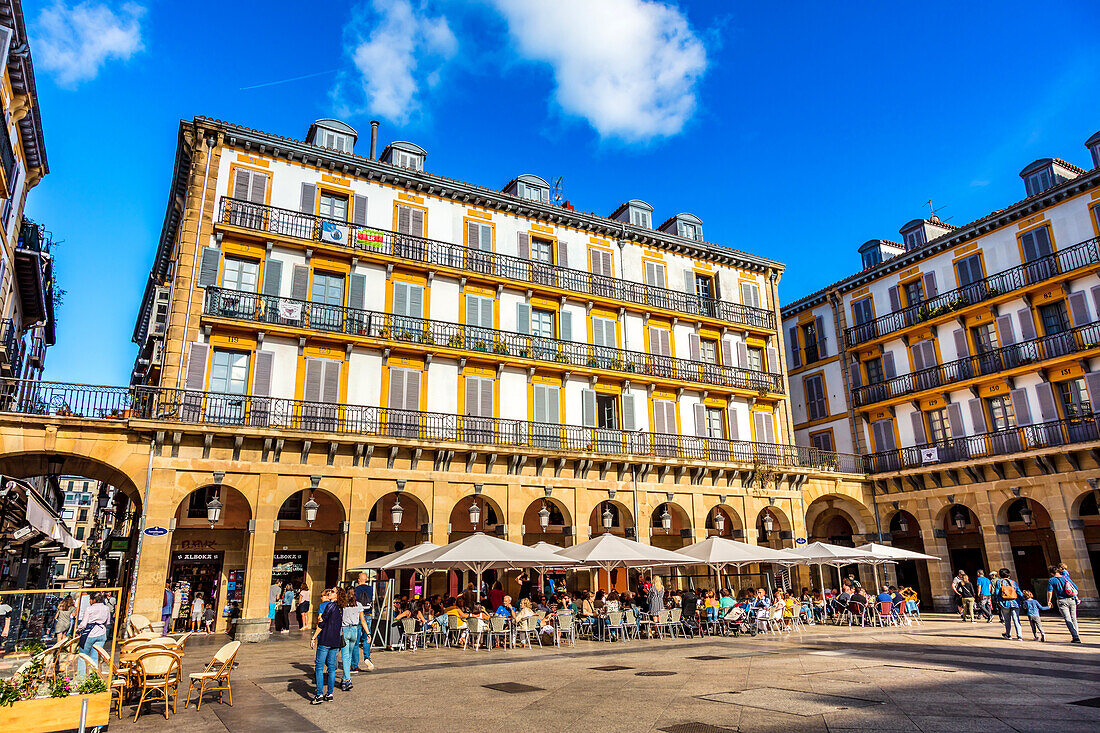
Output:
x=336 y=180
x=233 y=167
x=405 y=202
x=466 y=231
x=413 y=198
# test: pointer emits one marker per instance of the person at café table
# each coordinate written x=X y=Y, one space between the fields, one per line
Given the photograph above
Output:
x=505 y=609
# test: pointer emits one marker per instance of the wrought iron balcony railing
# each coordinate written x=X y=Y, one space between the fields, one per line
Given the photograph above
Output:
x=268 y=309
x=1080 y=429
x=991 y=362
x=291 y=223
x=1066 y=260
x=11 y=348
x=228 y=410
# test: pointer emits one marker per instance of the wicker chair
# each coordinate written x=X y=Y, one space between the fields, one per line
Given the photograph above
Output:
x=120 y=678
x=565 y=627
x=139 y=624
x=157 y=677
x=215 y=677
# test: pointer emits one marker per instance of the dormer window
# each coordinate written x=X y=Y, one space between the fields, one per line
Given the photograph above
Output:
x=640 y=218
x=406 y=160
x=332 y=134
x=529 y=187
x=404 y=155
x=687 y=226
x=688 y=230
x=1038 y=181
x=1046 y=173
x=914 y=239
x=1093 y=144
x=872 y=258
x=636 y=213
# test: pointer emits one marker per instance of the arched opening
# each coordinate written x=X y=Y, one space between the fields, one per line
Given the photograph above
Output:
x=833 y=526
x=547 y=520
x=1034 y=548
x=963 y=535
x=905 y=534
x=611 y=516
x=209 y=554
x=472 y=514
x=396 y=521
x=773 y=529
x=308 y=546
x=723 y=521
x=669 y=526
x=1089 y=517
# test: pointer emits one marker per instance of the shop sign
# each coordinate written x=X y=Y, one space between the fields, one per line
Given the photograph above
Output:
x=119 y=544
x=286 y=564
x=195 y=558
x=156 y=531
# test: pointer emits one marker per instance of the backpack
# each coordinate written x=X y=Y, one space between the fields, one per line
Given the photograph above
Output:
x=1069 y=589
x=1008 y=590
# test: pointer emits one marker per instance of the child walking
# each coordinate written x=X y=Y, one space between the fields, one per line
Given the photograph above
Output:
x=1033 y=609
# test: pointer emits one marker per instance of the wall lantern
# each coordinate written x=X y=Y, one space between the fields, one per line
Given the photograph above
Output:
x=608 y=518
x=475 y=514
x=666 y=520
x=719 y=520
x=312 y=506
x=544 y=517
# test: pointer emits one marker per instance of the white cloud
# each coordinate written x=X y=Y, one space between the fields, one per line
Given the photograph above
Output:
x=398 y=50
x=629 y=67
x=74 y=42
x=979 y=182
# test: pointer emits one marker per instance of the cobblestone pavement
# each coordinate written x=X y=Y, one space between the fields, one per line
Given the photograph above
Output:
x=943 y=676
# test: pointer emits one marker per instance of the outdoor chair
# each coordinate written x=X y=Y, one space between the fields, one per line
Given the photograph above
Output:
x=529 y=628
x=120 y=678
x=409 y=634
x=632 y=626
x=498 y=629
x=181 y=641
x=215 y=677
x=454 y=631
x=139 y=624
x=614 y=625
x=775 y=619
x=157 y=677
x=912 y=610
x=664 y=624
x=885 y=615
x=565 y=627
x=478 y=629
x=857 y=613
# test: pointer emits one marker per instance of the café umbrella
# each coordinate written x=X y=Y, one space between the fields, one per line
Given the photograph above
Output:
x=610 y=551
x=886 y=553
x=718 y=553
x=822 y=553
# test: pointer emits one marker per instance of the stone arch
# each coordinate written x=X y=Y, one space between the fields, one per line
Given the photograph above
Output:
x=331 y=513
x=190 y=511
x=559 y=529
x=679 y=533
x=492 y=516
x=734 y=526
x=781 y=532
x=27 y=464
x=1085 y=505
x=1034 y=548
x=622 y=521
x=903 y=523
x=860 y=518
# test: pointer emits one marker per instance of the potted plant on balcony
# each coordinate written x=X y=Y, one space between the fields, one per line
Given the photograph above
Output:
x=455 y=341
x=500 y=348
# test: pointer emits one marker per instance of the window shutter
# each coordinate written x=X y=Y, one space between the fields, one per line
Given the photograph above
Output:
x=1047 y=407
x=742 y=355
x=359 y=210
x=955 y=419
x=565 y=320
x=1004 y=330
x=700 y=420
x=765 y=427
x=773 y=360
x=308 y=203
x=523 y=318
x=1020 y=406
x=796 y=352
x=473 y=314
x=330 y=385
x=258 y=189
x=654 y=341
x=473 y=396
x=552 y=405
x=977 y=415
x=628 y=411
x=1079 y=308
x=261 y=375
x=563 y=255
x=416 y=301
x=397 y=389
x=819 y=329
x=523 y=246
x=299 y=282
x=1092 y=382
x=404 y=220
x=961 y=347
x=856 y=373
x=659 y=425
x=273 y=277
x=472 y=232
x=196 y=366
x=888 y=365
x=918 y=427
x=314 y=374
x=357 y=291
x=588 y=408
x=241 y=183
x=416 y=223
x=727 y=353
x=930 y=290
x=918 y=356
x=400 y=299
x=895 y=300
x=694 y=347
x=1027 y=324
x=666 y=342
x=1095 y=290
x=486 y=397
x=735 y=428
x=412 y=389
x=689 y=282
x=208 y=266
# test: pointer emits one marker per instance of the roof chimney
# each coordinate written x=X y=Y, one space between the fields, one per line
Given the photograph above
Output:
x=373 y=139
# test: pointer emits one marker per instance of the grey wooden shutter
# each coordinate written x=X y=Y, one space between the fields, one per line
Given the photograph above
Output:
x=819 y=330
x=1095 y=290
x=918 y=356
x=258 y=190
x=628 y=411
x=486 y=397
x=765 y=427
x=659 y=425
x=735 y=428
x=888 y=368
x=523 y=318
x=473 y=306
x=330 y=384
x=416 y=301
x=400 y=299
x=241 y=184
x=1004 y=330
x=930 y=290
x=689 y=282
x=1020 y=406
x=565 y=325
x=397 y=389
x=773 y=360
x=727 y=353
x=473 y=231
x=1027 y=324
x=314 y=376
x=1092 y=382
x=412 y=388
x=977 y=415
x=1047 y=407
x=955 y=419
x=416 y=223
x=299 y=282
x=742 y=355
x=196 y=366
x=796 y=353
x=404 y=220
x=523 y=245
x=694 y=347
x=588 y=408
x=261 y=374
x=895 y=299
x=700 y=420
x=856 y=373
x=962 y=348
x=1079 y=308
x=273 y=277
x=208 y=266
x=357 y=291
x=473 y=396
x=563 y=255
x=654 y=341
x=308 y=202
x=359 y=210
x=539 y=392
x=919 y=437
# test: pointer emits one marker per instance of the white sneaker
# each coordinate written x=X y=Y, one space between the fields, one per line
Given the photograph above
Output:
x=369 y=664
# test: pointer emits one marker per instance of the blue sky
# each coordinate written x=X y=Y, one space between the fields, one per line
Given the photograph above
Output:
x=796 y=133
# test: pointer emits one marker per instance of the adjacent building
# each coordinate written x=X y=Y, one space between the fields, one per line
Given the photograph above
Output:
x=963 y=362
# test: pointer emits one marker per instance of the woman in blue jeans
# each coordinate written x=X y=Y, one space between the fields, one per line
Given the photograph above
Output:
x=94 y=621
x=1008 y=595
x=353 y=625
x=326 y=639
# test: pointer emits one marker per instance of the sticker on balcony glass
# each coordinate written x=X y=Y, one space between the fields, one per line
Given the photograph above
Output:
x=929 y=455
x=334 y=233
x=368 y=238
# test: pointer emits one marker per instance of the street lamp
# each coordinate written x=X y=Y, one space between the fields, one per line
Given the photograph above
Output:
x=719 y=520
x=666 y=520
x=903 y=524
x=1026 y=513
x=475 y=514
x=608 y=518
x=213 y=511
x=544 y=517
x=768 y=522
x=396 y=512
x=312 y=506
x=961 y=520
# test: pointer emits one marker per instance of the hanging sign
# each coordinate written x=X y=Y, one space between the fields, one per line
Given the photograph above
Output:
x=800 y=541
x=155 y=531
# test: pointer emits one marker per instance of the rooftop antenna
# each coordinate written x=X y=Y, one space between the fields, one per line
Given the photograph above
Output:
x=556 y=195
x=933 y=213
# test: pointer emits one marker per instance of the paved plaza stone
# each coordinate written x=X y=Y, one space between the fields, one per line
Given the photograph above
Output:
x=943 y=676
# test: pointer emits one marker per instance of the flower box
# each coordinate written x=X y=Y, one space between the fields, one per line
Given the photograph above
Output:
x=46 y=714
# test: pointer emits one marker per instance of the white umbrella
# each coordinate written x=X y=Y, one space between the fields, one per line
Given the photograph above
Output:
x=886 y=552
x=387 y=561
x=821 y=553
x=480 y=552
x=610 y=551
x=718 y=552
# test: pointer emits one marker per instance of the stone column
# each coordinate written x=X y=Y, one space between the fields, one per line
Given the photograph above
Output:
x=935 y=543
x=156 y=552
x=1069 y=536
x=254 y=622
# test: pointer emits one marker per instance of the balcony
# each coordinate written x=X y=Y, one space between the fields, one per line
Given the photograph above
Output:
x=228 y=410
x=1079 y=429
x=11 y=349
x=30 y=272
x=991 y=362
x=1067 y=260
x=488 y=265
x=496 y=345
x=7 y=161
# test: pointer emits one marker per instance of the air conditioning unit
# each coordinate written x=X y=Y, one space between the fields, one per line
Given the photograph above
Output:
x=161 y=303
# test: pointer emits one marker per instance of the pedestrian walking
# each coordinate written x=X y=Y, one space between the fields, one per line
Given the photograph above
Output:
x=166 y=608
x=302 y=611
x=352 y=624
x=273 y=594
x=327 y=641
x=1063 y=592
x=956 y=582
x=286 y=607
x=985 y=595
x=364 y=594
x=92 y=629
x=1033 y=608
x=197 y=608
x=1008 y=595
x=966 y=592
